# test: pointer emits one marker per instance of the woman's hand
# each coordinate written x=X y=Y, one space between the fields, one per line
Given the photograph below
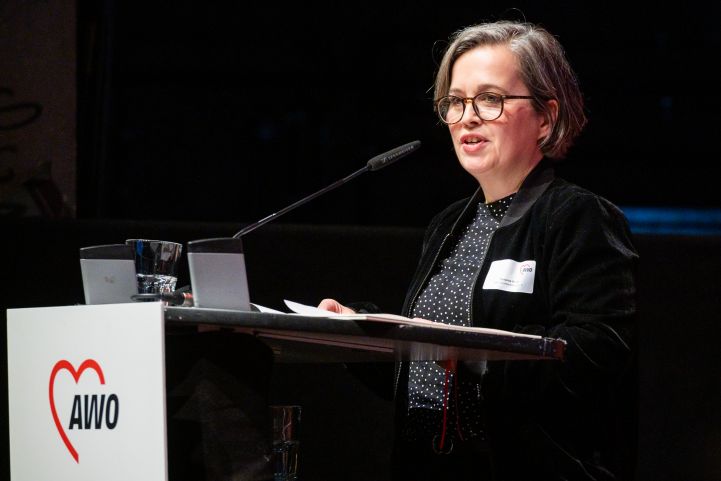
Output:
x=334 y=306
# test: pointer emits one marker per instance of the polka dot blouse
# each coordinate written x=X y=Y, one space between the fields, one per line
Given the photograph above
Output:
x=447 y=298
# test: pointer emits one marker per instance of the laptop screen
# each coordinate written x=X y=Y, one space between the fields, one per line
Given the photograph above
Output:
x=108 y=273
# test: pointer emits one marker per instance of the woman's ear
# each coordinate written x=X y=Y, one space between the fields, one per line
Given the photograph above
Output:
x=549 y=120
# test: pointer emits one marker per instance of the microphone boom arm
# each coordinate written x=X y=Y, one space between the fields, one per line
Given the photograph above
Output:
x=302 y=201
x=376 y=163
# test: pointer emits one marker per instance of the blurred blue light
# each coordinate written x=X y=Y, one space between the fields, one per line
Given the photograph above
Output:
x=673 y=221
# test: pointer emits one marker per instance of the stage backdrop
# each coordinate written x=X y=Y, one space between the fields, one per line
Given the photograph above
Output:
x=197 y=111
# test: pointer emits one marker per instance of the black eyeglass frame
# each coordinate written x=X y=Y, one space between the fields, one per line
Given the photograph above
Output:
x=475 y=107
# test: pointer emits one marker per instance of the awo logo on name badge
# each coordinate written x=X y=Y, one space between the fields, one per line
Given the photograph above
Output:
x=84 y=411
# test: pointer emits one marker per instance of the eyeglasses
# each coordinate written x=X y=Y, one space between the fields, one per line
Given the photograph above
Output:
x=487 y=105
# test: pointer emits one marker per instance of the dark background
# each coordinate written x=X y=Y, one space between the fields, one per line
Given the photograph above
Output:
x=197 y=111
x=195 y=118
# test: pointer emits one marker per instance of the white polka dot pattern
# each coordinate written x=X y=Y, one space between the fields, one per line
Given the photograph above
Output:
x=447 y=298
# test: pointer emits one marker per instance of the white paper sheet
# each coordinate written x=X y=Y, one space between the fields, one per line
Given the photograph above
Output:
x=307 y=310
x=266 y=309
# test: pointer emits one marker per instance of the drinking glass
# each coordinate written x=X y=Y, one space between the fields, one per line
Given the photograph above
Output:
x=286 y=443
x=156 y=264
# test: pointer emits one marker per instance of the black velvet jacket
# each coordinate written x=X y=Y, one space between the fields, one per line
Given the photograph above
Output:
x=553 y=420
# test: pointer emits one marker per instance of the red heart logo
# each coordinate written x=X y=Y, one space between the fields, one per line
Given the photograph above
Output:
x=60 y=365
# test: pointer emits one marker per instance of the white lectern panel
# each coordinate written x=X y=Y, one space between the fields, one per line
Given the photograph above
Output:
x=87 y=393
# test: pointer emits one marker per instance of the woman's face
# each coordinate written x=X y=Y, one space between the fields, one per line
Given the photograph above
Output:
x=507 y=146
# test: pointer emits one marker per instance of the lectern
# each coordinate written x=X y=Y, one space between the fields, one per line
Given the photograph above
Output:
x=87 y=383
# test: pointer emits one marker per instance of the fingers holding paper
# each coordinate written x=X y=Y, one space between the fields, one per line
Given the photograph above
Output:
x=334 y=306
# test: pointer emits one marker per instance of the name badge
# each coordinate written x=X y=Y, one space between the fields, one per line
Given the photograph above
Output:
x=512 y=276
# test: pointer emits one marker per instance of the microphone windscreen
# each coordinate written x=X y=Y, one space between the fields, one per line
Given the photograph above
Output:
x=381 y=160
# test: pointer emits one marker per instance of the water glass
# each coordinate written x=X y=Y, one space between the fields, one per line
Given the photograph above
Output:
x=286 y=443
x=156 y=264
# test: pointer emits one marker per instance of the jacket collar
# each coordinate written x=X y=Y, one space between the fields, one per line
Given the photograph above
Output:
x=535 y=184
x=531 y=189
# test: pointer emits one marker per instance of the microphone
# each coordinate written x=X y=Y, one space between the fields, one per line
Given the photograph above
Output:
x=382 y=160
x=376 y=163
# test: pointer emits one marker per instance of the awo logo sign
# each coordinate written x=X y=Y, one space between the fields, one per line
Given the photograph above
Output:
x=87 y=407
x=86 y=392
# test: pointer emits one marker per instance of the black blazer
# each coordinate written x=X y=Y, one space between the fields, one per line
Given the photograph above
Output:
x=552 y=420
